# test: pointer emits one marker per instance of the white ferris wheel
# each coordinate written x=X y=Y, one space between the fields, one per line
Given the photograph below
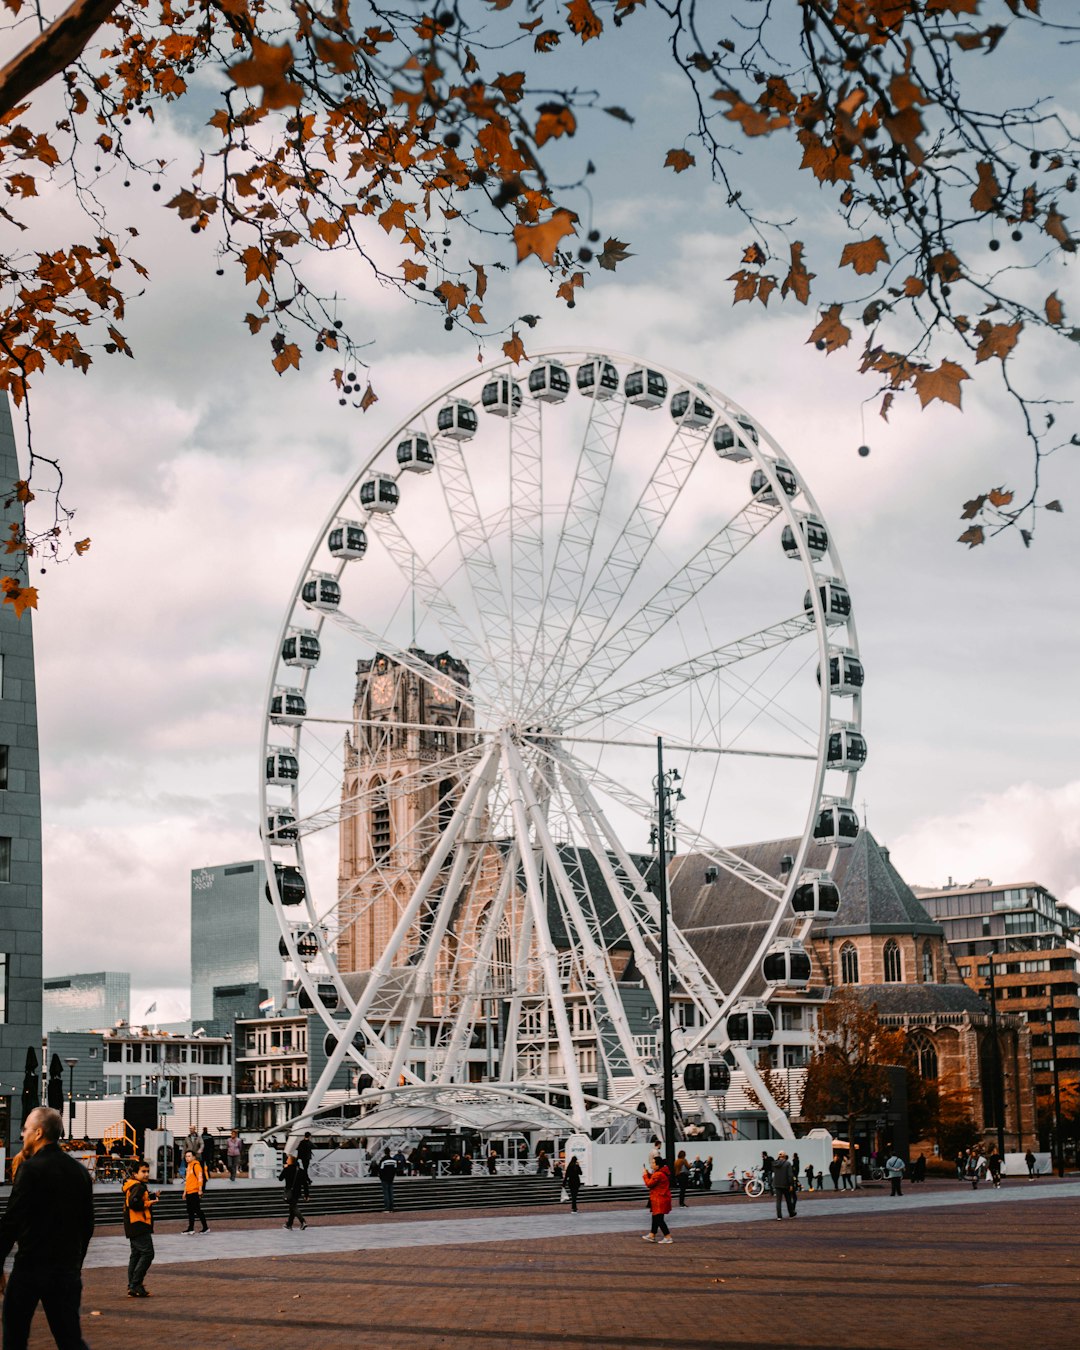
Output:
x=541 y=573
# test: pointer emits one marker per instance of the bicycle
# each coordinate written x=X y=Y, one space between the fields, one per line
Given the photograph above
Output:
x=753 y=1184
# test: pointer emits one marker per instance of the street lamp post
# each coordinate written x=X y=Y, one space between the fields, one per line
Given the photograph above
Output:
x=71 y=1095
x=665 y=786
x=995 y=1047
x=1059 y=1142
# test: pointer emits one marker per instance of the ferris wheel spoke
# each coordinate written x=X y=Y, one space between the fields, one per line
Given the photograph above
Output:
x=484 y=666
x=574 y=547
x=630 y=548
x=525 y=429
x=643 y=807
x=642 y=914
x=473 y=541
x=686 y=672
x=618 y=645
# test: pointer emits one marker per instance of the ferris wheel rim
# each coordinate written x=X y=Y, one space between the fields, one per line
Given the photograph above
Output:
x=315 y=620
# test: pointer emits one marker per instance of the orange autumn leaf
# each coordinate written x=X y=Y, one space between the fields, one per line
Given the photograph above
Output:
x=556 y=119
x=481 y=280
x=942 y=384
x=22 y=492
x=999 y=497
x=798 y=279
x=582 y=19
x=543 y=239
x=914 y=287
x=451 y=294
x=1055 y=310
x=830 y=330
x=413 y=271
x=268 y=66
x=986 y=194
x=754 y=255
x=21 y=598
x=997 y=339
x=679 y=160
x=288 y=356
x=972 y=536
x=514 y=348
x=543 y=42
x=370 y=397
x=81 y=545
x=865 y=255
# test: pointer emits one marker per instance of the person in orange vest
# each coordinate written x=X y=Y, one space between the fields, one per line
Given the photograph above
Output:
x=194 y=1185
x=139 y=1205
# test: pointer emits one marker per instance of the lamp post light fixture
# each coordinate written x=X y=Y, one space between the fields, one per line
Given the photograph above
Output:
x=666 y=789
x=71 y=1094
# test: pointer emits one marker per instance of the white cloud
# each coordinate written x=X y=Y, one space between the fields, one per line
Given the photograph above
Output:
x=1028 y=833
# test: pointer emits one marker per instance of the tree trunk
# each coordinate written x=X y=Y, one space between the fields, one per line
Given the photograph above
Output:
x=52 y=51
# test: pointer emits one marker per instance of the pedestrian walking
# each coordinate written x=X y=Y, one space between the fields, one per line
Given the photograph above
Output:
x=292 y=1174
x=304 y=1150
x=682 y=1176
x=208 y=1156
x=572 y=1182
x=783 y=1179
x=1031 y=1160
x=809 y=1176
x=139 y=1204
x=706 y=1180
x=233 y=1150
x=834 y=1171
x=961 y=1165
x=492 y=1161
x=50 y=1214
x=543 y=1164
x=995 y=1168
x=894 y=1170
x=918 y=1170
x=387 y=1172
x=766 y=1170
x=194 y=1185
x=847 y=1173
x=976 y=1168
x=658 y=1180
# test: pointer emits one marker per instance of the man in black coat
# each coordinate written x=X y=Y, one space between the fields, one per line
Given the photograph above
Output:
x=783 y=1175
x=51 y=1216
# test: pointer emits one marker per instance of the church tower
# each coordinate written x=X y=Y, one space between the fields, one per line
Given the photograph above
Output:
x=400 y=787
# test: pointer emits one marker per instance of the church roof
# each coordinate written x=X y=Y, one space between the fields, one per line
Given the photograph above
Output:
x=725 y=920
x=921 y=998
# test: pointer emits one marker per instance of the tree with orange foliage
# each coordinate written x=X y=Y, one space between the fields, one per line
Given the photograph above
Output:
x=434 y=125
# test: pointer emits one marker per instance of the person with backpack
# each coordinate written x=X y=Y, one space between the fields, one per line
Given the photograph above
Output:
x=139 y=1205
x=194 y=1185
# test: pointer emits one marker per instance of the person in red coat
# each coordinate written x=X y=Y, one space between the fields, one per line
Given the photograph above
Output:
x=658 y=1181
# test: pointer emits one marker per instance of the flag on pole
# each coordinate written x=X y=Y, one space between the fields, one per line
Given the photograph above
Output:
x=152 y=1008
x=267 y=1005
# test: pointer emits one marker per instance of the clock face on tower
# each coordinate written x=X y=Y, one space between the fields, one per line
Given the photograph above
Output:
x=382 y=689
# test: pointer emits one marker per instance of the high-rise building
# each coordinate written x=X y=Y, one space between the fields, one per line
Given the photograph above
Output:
x=20 y=825
x=86 y=1002
x=234 y=936
x=1019 y=936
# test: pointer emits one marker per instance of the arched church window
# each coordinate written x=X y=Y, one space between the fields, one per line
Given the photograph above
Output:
x=924 y=1054
x=849 y=964
x=380 y=823
x=894 y=972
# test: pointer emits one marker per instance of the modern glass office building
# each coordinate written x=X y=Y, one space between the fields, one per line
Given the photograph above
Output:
x=234 y=936
x=92 y=1002
x=20 y=826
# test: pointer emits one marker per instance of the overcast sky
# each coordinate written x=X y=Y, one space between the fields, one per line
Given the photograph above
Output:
x=202 y=478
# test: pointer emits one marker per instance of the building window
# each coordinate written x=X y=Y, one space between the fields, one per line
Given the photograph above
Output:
x=893 y=971
x=924 y=1054
x=927 y=963
x=3 y=766
x=3 y=986
x=849 y=964
x=380 y=828
x=5 y=858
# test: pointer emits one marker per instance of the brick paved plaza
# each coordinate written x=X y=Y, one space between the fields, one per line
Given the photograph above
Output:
x=940 y=1267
